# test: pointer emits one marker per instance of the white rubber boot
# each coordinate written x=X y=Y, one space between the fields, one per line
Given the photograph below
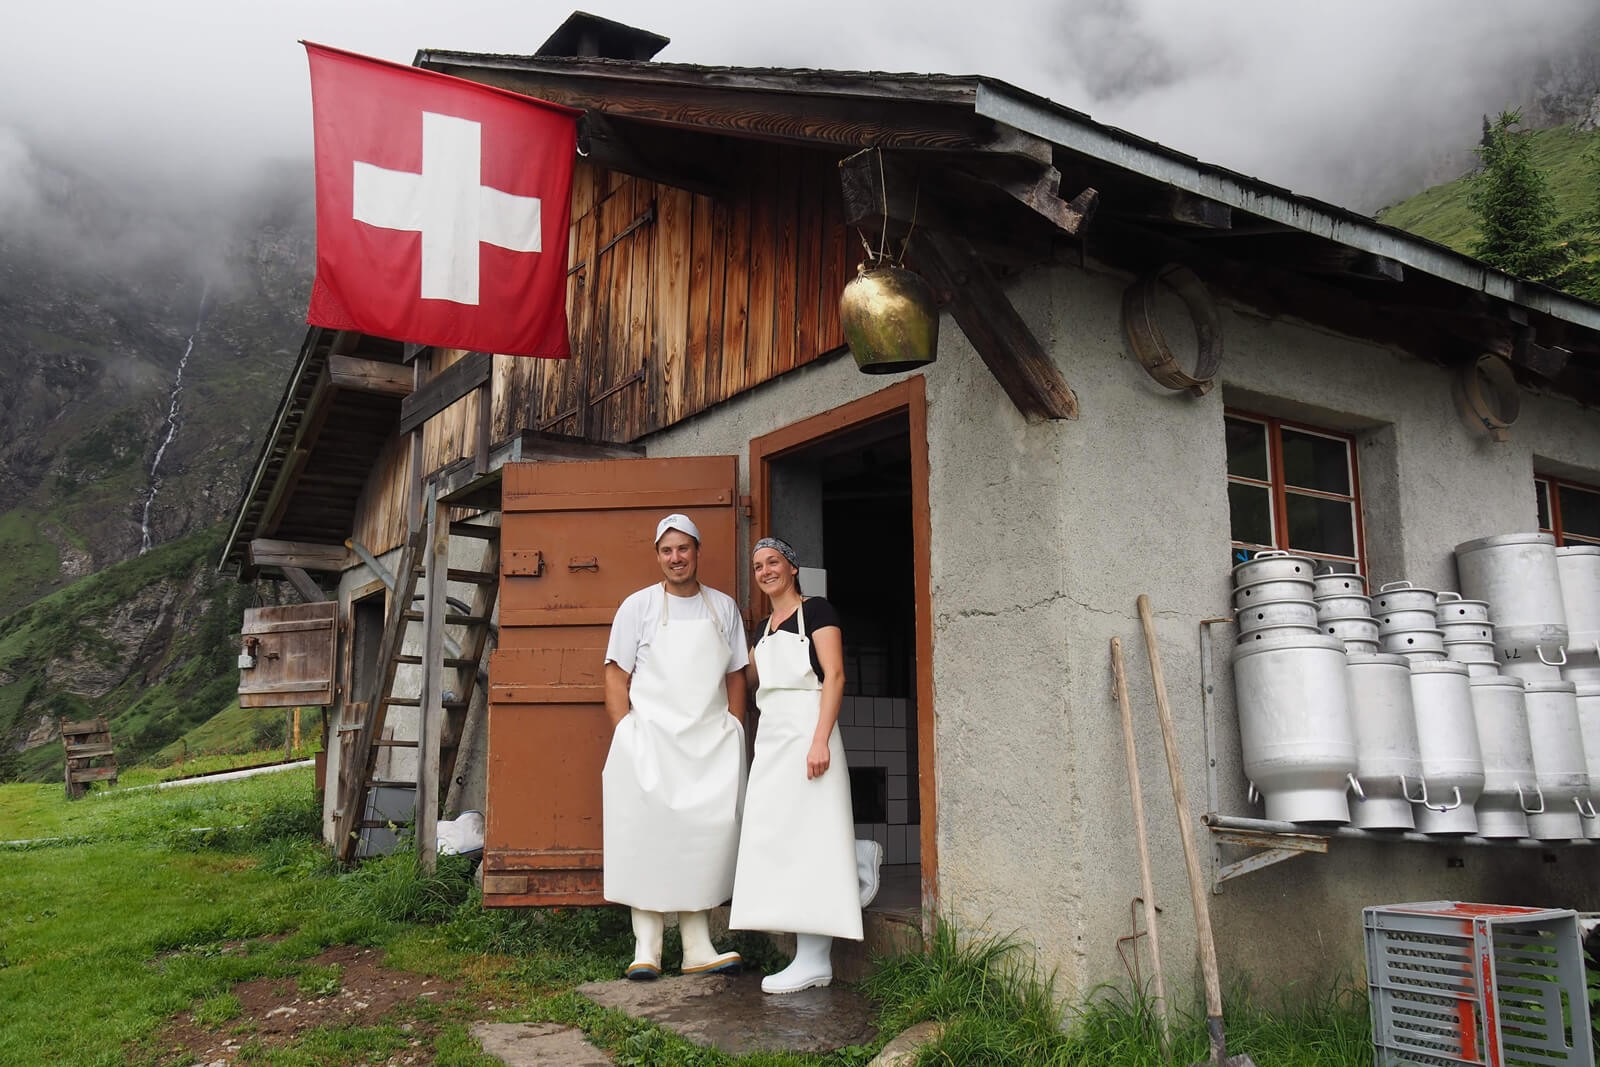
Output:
x=869 y=864
x=648 y=929
x=699 y=955
x=812 y=966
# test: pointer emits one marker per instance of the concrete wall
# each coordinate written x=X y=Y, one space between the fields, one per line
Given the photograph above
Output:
x=1043 y=536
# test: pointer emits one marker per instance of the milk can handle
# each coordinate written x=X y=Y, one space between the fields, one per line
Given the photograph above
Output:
x=1269 y=553
x=1522 y=801
x=1447 y=597
x=1591 y=813
x=1449 y=807
x=1252 y=794
x=1562 y=662
x=1355 y=786
x=1423 y=799
x=1384 y=588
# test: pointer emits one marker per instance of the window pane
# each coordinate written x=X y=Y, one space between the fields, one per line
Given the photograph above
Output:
x=1541 y=494
x=1580 y=511
x=1250 y=507
x=1320 y=525
x=1312 y=462
x=1247 y=449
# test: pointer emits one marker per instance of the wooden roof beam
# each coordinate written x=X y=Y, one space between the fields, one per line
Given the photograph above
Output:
x=1001 y=336
x=265 y=552
x=370 y=376
x=793 y=116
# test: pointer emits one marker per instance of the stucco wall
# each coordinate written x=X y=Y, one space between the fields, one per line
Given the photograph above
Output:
x=1044 y=534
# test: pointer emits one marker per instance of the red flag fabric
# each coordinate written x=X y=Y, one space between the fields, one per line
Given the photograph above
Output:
x=442 y=208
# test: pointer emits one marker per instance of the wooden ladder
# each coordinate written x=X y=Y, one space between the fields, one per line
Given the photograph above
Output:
x=425 y=559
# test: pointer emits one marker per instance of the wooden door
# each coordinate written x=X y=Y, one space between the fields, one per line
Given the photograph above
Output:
x=292 y=646
x=576 y=539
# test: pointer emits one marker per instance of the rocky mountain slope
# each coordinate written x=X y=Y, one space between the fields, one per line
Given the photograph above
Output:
x=135 y=326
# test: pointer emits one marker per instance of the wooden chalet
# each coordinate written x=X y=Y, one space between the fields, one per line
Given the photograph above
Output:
x=1146 y=365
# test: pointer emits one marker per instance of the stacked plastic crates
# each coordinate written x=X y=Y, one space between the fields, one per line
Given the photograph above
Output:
x=1455 y=983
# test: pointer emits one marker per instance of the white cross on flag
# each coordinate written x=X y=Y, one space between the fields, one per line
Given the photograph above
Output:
x=442 y=208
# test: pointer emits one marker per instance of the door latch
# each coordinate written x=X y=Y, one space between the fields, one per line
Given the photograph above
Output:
x=523 y=563
x=583 y=563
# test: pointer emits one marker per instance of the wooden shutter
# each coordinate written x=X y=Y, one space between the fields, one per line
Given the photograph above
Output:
x=294 y=649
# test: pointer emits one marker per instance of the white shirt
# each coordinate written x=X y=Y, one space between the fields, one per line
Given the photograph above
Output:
x=640 y=616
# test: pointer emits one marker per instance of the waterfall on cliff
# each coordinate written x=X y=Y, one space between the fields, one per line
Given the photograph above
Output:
x=172 y=425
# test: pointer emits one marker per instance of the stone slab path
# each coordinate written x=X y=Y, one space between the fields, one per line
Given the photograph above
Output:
x=538 y=1045
x=734 y=1016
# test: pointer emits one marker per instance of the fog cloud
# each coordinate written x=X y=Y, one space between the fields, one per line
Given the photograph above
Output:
x=1359 y=102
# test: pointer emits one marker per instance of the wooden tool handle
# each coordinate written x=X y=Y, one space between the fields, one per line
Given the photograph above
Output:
x=1180 y=798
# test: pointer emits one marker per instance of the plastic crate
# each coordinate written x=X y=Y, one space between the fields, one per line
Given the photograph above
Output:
x=1455 y=983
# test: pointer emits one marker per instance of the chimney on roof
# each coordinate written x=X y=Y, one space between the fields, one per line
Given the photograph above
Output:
x=586 y=36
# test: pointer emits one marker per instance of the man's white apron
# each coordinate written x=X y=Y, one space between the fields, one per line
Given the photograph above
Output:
x=797 y=860
x=674 y=777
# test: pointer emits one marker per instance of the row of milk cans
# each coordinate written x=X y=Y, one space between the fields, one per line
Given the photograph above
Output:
x=1404 y=708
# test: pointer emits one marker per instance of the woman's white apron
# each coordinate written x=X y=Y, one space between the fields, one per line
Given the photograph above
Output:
x=797 y=860
x=674 y=777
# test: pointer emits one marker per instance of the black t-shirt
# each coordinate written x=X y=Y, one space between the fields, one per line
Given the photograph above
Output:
x=819 y=613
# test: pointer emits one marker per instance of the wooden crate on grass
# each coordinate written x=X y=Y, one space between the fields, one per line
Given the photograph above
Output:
x=90 y=756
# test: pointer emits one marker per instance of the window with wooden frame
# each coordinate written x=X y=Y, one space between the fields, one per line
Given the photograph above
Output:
x=1569 y=510
x=1293 y=487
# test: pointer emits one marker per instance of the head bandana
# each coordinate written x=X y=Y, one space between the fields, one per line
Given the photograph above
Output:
x=782 y=548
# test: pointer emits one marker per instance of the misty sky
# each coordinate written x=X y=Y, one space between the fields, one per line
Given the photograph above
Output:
x=1347 y=101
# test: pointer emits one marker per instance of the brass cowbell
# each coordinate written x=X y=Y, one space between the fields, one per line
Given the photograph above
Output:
x=890 y=319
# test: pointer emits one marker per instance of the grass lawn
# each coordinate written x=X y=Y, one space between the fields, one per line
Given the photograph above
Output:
x=132 y=938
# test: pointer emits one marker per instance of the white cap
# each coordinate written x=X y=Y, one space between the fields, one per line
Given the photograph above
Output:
x=681 y=523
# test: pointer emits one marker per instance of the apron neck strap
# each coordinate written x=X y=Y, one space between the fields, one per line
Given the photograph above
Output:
x=800 y=621
x=664 y=595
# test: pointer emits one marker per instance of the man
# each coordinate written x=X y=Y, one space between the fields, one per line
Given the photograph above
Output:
x=674 y=777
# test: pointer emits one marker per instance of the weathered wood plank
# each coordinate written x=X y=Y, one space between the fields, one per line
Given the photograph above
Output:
x=436 y=565
x=763 y=270
x=736 y=301
x=716 y=307
x=673 y=286
x=444 y=389
x=691 y=397
x=370 y=376
x=266 y=552
x=785 y=260
x=980 y=307
x=635 y=403
x=808 y=263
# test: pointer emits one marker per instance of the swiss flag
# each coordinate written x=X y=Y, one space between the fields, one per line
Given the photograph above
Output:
x=442 y=208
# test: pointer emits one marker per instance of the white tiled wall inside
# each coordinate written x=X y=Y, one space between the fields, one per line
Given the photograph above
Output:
x=874 y=733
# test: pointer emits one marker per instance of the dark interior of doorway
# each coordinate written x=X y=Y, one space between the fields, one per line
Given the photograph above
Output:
x=845 y=504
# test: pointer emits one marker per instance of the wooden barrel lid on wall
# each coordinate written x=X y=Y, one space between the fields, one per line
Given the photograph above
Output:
x=1147 y=339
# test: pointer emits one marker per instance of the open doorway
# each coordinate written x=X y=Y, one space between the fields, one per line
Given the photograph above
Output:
x=850 y=498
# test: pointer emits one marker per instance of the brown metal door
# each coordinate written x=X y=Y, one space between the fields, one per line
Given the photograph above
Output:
x=293 y=650
x=576 y=539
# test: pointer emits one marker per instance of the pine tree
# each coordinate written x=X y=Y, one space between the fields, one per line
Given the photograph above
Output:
x=1516 y=211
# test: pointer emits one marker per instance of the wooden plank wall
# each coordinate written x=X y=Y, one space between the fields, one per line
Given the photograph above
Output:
x=675 y=300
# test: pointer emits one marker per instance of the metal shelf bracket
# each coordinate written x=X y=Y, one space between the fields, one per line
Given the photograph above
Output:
x=1271 y=848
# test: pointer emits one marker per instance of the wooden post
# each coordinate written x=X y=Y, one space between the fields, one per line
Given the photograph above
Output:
x=437 y=565
x=297 y=729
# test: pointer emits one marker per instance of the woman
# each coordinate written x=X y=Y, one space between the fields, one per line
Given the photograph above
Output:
x=797 y=857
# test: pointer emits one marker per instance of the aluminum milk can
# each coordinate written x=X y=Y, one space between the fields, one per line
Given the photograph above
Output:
x=1388 y=762
x=1589 y=726
x=1579 y=569
x=1559 y=761
x=1510 y=787
x=1447 y=736
x=1295 y=732
x=1517 y=574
